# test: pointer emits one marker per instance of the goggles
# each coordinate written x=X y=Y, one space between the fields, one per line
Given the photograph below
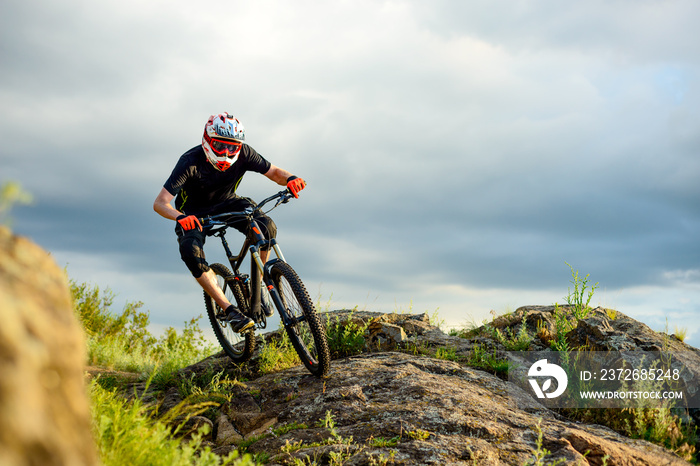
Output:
x=223 y=148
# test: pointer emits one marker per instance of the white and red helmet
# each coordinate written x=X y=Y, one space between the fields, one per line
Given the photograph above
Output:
x=222 y=140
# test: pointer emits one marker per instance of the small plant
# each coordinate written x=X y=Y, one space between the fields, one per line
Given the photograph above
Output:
x=11 y=193
x=564 y=322
x=283 y=429
x=435 y=320
x=567 y=318
x=381 y=442
x=400 y=310
x=345 y=338
x=418 y=434
x=327 y=422
x=92 y=306
x=291 y=447
x=244 y=444
x=575 y=298
x=541 y=453
x=511 y=340
x=382 y=460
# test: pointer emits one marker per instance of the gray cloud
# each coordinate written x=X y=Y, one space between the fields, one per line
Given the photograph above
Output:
x=460 y=146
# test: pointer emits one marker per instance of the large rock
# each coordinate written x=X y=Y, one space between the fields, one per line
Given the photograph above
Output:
x=44 y=412
x=410 y=408
x=417 y=410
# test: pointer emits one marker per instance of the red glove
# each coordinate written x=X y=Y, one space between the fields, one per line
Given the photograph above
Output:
x=188 y=222
x=295 y=184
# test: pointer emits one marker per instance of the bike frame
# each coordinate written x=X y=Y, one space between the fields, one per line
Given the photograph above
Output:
x=220 y=223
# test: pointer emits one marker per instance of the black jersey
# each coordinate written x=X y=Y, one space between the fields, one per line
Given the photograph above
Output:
x=200 y=187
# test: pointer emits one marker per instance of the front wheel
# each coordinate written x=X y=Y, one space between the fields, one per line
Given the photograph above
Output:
x=239 y=347
x=305 y=332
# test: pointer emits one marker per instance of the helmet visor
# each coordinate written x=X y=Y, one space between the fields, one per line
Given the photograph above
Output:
x=224 y=148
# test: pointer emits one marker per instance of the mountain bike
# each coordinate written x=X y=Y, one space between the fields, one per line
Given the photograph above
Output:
x=283 y=291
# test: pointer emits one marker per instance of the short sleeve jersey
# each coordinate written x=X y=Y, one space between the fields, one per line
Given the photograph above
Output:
x=200 y=187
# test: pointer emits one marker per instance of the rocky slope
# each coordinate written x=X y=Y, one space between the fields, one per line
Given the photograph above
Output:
x=396 y=403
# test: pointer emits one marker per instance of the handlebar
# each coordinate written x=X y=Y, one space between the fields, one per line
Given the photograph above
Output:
x=221 y=219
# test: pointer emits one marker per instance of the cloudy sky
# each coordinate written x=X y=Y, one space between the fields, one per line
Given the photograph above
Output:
x=458 y=154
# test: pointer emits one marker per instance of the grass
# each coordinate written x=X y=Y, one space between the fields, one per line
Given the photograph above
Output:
x=680 y=333
x=123 y=342
x=481 y=358
x=125 y=433
x=277 y=355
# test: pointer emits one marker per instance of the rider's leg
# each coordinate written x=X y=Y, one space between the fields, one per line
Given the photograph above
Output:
x=238 y=321
x=208 y=282
x=192 y=253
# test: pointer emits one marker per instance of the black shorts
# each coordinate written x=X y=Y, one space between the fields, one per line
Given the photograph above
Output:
x=192 y=241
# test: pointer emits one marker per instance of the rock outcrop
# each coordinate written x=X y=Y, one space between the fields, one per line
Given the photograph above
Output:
x=415 y=410
x=408 y=407
x=44 y=413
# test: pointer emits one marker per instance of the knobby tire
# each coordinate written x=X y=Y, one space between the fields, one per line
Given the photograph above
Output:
x=238 y=347
x=308 y=336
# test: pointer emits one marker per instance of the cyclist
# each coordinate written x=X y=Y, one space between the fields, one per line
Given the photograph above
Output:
x=204 y=182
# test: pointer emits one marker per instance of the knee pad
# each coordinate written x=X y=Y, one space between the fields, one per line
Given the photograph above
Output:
x=192 y=255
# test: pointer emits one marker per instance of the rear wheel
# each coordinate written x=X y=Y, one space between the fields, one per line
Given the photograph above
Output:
x=239 y=347
x=306 y=332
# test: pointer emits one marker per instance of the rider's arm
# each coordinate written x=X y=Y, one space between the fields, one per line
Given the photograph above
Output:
x=278 y=175
x=284 y=178
x=163 y=205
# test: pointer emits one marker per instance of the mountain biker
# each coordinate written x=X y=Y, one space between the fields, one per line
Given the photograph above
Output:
x=205 y=181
